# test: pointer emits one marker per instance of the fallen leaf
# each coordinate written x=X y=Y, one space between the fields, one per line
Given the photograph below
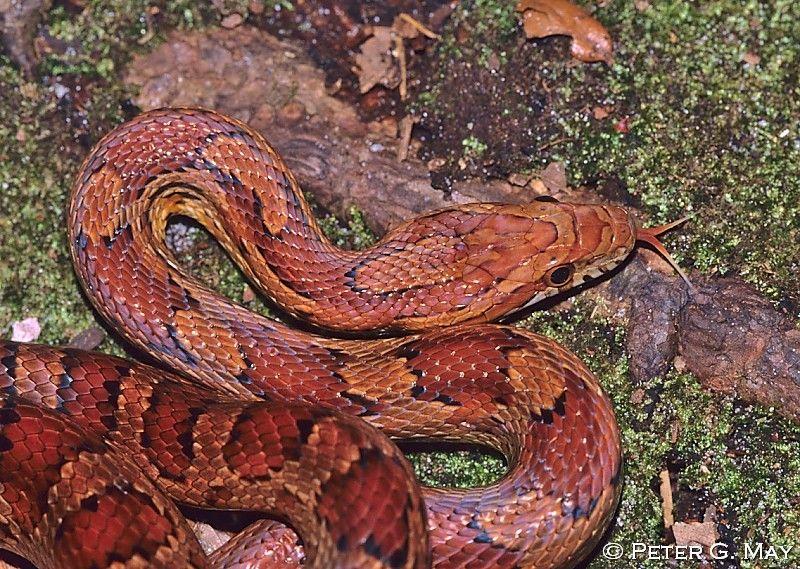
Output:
x=538 y=188
x=703 y=533
x=375 y=64
x=518 y=179
x=88 y=339
x=751 y=58
x=247 y=294
x=599 y=113
x=554 y=176
x=387 y=127
x=256 y=6
x=590 y=40
x=27 y=330
x=641 y=5
x=292 y=113
x=232 y=21
x=435 y=164
x=623 y=125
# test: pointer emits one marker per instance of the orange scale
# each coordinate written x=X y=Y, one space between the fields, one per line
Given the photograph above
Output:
x=33 y=365
x=248 y=439
x=239 y=462
x=31 y=425
x=55 y=367
x=25 y=385
x=422 y=309
x=50 y=438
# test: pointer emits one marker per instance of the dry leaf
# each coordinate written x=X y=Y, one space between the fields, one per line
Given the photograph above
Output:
x=88 y=339
x=517 y=179
x=543 y=18
x=232 y=21
x=375 y=62
x=554 y=177
x=600 y=113
x=751 y=58
x=27 y=330
x=623 y=126
x=703 y=533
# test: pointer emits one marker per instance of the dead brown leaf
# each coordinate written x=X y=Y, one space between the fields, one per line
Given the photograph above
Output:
x=375 y=64
x=703 y=533
x=590 y=40
x=232 y=21
x=623 y=125
x=751 y=58
x=599 y=113
x=519 y=179
x=88 y=339
x=554 y=177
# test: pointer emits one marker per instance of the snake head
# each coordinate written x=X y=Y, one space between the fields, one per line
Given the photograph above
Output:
x=539 y=249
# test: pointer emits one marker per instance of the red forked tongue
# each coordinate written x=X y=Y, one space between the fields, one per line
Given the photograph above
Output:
x=648 y=235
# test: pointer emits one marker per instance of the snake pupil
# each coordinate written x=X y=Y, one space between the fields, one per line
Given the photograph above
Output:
x=560 y=276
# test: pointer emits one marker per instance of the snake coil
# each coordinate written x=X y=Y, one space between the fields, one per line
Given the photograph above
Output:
x=245 y=412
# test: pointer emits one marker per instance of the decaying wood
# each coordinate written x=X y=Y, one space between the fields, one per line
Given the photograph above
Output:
x=728 y=335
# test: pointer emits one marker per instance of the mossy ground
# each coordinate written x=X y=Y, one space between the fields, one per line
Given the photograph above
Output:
x=706 y=133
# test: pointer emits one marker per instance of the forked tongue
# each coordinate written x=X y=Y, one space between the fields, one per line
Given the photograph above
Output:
x=649 y=235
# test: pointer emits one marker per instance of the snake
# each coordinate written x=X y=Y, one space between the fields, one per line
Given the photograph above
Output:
x=233 y=410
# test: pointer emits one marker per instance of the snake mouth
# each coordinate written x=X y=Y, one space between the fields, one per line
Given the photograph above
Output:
x=650 y=235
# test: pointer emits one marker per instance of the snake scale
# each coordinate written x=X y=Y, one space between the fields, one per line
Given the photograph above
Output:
x=244 y=412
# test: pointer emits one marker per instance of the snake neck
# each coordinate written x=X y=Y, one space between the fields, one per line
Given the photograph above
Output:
x=470 y=264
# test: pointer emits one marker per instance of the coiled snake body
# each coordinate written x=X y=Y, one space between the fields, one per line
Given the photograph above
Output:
x=258 y=416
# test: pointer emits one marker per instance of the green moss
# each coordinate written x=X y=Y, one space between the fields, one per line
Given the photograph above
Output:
x=473 y=147
x=39 y=157
x=694 y=128
x=36 y=277
x=744 y=460
x=353 y=234
x=707 y=134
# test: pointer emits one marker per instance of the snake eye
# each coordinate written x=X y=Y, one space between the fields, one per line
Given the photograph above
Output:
x=560 y=275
